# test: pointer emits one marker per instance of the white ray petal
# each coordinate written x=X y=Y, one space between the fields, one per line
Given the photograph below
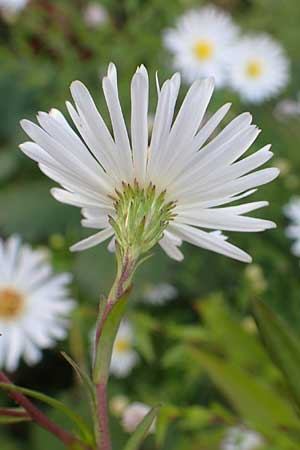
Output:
x=93 y=240
x=209 y=242
x=139 y=122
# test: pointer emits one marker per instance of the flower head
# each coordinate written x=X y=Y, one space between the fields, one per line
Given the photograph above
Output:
x=258 y=68
x=124 y=357
x=12 y=7
x=133 y=415
x=167 y=191
x=239 y=438
x=95 y=15
x=159 y=294
x=200 y=42
x=34 y=304
x=292 y=211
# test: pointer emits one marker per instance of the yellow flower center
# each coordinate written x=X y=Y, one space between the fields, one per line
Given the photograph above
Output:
x=11 y=303
x=122 y=345
x=203 y=50
x=254 y=69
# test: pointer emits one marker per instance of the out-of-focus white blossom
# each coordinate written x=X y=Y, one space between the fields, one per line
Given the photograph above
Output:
x=95 y=15
x=239 y=438
x=133 y=415
x=292 y=212
x=159 y=294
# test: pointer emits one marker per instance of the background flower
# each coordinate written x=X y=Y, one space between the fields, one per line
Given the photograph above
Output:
x=239 y=438
x=124 y=357
x=11 y=7
x=95 y=15
x=133 y=415
x=159 y=294
x=292 y=211
x=258 y=68
x=34 y=304
x=199 y=43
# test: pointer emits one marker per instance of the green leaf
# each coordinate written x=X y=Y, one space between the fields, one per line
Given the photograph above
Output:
x=13 y=415
x=264 y=408
x=75 y=418
x=83 y=376
x=167 y=414
x=142 y=430
x=107 y=337
x=282 y=343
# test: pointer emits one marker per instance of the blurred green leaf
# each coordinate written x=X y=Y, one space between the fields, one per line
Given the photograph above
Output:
x=142 y=430
x=282 y=343
x=13 y=415
x=75 y=418
x=257 y=403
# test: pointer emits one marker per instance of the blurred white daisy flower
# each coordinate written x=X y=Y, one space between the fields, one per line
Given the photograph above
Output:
x=258 y=68
x=159 y=294
x=168 y=193
x=34 y=304
x=133 y=415
x=95 y=15
x=199 y=43
x=124 y=357
x=12 y=7
x=238 y=438
x=292 y=211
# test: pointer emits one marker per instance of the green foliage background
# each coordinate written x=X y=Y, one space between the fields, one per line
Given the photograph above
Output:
x=45 y=48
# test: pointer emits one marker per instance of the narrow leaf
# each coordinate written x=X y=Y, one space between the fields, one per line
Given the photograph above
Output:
x=9 y=420
x=13 y=415
x=75 y=418
x=106 y=340
x=282 y=343
x=255 y=401
x=142 y=430
x=83 y=376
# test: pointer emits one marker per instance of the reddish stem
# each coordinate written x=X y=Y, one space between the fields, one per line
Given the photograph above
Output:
x=38 y=416
x=118 y=289
x=104 y=443
x=12 y=413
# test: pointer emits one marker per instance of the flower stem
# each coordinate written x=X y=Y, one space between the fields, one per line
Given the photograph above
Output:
x=126 y=267
x=41 y=419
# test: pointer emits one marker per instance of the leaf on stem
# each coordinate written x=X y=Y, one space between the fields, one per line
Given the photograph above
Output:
x=75 y=418
x=107 y=336
x=13 y=415
x=82 y=375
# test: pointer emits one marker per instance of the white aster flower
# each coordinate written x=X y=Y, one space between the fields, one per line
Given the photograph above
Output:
x=239 y=438
x=124 y=357
x=200 y=42
x=159 y=294
x=170 y=190
x=95 y=15
x=258 y=68
x=34 y=304
x=133 y=415
x=12 y=7
x=292 y=211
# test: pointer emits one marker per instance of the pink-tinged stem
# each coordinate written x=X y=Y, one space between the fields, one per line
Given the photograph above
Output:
x=120 y=286
x=39 y=417
x=11 y=413
x=104 y=441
